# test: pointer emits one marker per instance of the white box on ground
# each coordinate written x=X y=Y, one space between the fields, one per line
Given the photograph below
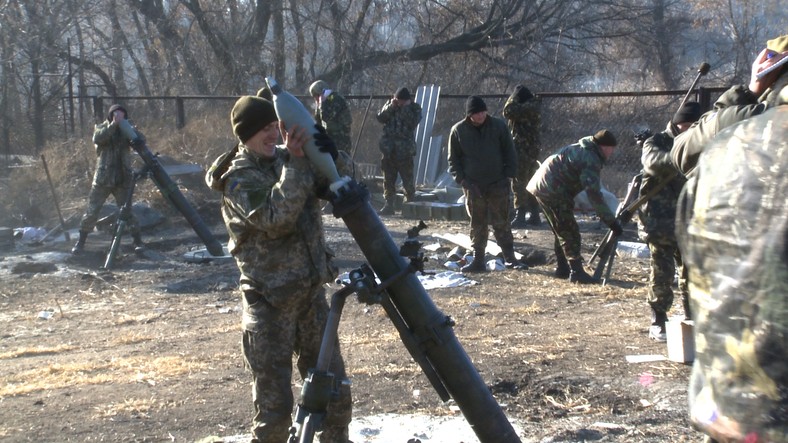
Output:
x=681 y=341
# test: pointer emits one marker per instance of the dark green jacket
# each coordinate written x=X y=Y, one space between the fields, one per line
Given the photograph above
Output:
x=482 y=154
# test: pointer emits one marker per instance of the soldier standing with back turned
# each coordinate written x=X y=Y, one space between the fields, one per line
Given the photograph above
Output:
x=333 y=113
x=400 y=117
x=521 y=112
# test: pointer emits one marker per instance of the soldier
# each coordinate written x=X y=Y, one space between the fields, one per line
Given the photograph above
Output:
x=555 y=184
x=399 y=116
x=482 y=160
x=333 y=113
x=732 y=227
x=522 y=115
x=658 y=219
x=113 y=175
x=271 y=211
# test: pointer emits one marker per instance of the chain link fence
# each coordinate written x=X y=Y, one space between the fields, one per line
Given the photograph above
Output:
x=566 y=117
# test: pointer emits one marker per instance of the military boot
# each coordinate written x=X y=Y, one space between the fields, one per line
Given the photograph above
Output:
x=562 y=266
x=511 y=260
x=478 y=264
x=518 y=222
x=388 y=208
x=579 y=275
x=139 y=246
x=80 y=245
x=657 y=329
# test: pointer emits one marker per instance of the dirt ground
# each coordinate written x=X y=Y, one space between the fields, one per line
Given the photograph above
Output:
x=150 y=352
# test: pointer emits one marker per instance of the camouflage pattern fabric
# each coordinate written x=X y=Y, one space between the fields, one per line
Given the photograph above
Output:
x=732 y=228
x=665 y=258
x=272 y=214
x=565 y=174
x=560 y=216
x=398 y=146
x=658 y=220
x=113 y=175
x=734 y=105
x=489 y=207
x=334 y=115
x=524 y=121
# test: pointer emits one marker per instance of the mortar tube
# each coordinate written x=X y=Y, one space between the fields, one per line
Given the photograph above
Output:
x=423 y=318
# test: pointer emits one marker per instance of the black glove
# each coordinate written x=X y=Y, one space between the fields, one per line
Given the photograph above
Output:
x=617 y=229
x=324 y=142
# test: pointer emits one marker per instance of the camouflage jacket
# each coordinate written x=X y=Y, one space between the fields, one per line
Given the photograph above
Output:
x=736 y=104
x=273 y=216
x=524 y=121
x=334 y=115
x=399 y=123
x=573 y=169
x=732 y=230
x=658 y=214
x=113 y=166
x=484 y=155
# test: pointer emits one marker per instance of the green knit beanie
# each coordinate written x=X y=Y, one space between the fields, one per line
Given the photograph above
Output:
x=250 y=115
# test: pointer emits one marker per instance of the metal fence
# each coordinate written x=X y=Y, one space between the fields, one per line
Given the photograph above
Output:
x=566 y=117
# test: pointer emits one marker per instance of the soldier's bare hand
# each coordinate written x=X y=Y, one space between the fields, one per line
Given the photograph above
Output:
x=294 y=139
x=765 y=60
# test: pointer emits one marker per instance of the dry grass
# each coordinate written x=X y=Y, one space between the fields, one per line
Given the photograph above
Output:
x=84 y=373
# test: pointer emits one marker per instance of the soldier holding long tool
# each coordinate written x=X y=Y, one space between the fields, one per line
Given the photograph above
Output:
x=658 y=219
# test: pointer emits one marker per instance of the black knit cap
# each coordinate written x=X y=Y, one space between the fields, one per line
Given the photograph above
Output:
x=114 y=108
x=402 y=94
x=689 y=113
x=474 y=104
x=523 y=93
x=251 y=114
x=603 y=137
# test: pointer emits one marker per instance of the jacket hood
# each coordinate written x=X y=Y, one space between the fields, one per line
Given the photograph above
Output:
x=590 y=144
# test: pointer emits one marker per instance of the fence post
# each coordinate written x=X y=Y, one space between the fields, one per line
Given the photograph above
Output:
x=704 y=98
x=98 y=109
x=180 y=114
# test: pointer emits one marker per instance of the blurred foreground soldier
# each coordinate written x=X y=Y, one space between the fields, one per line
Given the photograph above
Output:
x=482 y=160
x=333 y=113
x=521 y=112
x=271 y=210
x=736 y=104
x=555 y=184
x=732 y=229
x=658 y=219
x=400 y=117
x=113 y=175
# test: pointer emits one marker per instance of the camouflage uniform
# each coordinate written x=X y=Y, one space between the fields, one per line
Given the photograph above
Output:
x=272 y=214
x=398 y=147
x=334 y=115
x=558 y=180
x=658 y=221
x=732 y=228
x=113 y=174
x=482 y=160
x=524 y=120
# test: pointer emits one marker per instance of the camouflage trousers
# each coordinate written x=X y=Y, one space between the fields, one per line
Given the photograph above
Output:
x=665 y=258
x=391 y=166
x=560 y=215
x=526 y=168
x=489 y=206
x=275 y=329
x=98 y=195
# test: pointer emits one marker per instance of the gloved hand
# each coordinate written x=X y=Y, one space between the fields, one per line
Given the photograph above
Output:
x=324 y=142
x=617 y=229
